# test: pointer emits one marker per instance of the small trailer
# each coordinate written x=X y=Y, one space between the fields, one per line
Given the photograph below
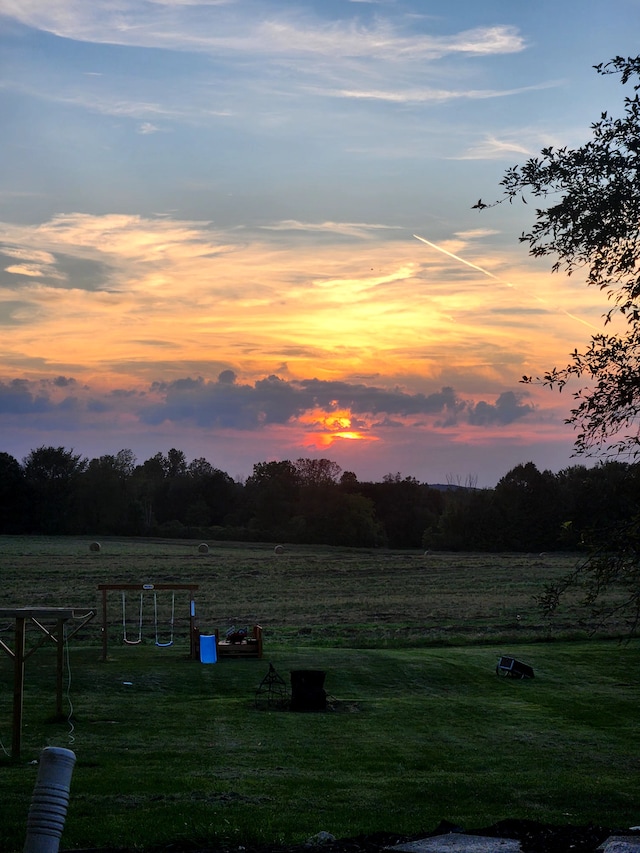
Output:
x=509 y=667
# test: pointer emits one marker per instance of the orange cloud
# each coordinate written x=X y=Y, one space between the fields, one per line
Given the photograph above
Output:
x=167 y=299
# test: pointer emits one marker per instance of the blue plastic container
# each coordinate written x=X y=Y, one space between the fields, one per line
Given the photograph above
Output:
x=208 y=652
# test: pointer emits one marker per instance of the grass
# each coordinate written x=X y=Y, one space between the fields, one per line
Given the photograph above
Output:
x=308 y=596
x=421 y=729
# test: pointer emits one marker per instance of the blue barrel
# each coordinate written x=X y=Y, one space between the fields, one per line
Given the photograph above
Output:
x=208 y=652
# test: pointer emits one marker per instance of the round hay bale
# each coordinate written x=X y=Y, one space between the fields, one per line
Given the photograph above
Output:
x=203 y=548
x=279 y=549
x=95 y=546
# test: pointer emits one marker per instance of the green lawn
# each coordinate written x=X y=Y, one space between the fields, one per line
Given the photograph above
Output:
x=417 y=732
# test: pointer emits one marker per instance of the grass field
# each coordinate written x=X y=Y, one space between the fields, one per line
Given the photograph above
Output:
x=420 y=728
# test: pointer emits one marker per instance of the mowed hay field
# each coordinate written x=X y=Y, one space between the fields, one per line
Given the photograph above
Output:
x=307 y=595
x=419 y=728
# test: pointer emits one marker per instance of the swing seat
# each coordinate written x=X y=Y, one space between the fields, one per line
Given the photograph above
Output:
x=125 y=639
x=138 y=640
x=171 y=623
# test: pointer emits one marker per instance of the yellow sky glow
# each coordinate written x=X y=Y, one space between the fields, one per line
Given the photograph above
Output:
x=172 y=300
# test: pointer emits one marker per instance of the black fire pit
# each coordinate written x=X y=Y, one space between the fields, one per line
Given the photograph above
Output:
x=307 y=690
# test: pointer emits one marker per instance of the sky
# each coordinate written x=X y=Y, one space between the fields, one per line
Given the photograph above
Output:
x=245 y=228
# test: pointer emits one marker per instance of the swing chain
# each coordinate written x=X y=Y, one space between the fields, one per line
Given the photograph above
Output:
x=171 y=622
x=125 y=639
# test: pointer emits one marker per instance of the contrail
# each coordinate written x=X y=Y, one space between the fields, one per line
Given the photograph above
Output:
x=500 y=280
x=458 y=258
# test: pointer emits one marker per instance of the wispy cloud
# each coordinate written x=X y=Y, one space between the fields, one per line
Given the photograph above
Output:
x=146 y=128
x=164 y=296
x=360 y=230
x=516 y=143
x=265 y=43
x=428 y=95
x=32 y=270
x=259 y=28
x=492 y=148
x=25 y=253
x=476 y=233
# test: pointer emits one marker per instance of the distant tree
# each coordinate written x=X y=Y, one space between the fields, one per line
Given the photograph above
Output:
x=404 y=508
x=105 y=494
x=271 y=497
x=147 y=480
x=314 y=472
x=13 y=496
x=468 y=521
x=200 y=467
x=154 y=468
x=213 y=495
x=597 y=498
x=52 y=475
x=124 y=462
x=528 y=503
x=351 y=521
x=349 y=481
x=176 y=463
x=591 y=222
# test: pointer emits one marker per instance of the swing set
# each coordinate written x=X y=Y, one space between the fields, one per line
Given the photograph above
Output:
x=133 y=639
x=138 y=640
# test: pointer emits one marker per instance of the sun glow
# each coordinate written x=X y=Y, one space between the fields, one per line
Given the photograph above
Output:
x=340 y=419
x=320 y=440
x=353 y=436
x=331 y=427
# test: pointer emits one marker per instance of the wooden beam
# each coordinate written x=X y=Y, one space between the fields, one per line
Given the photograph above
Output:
x=36 y=612
x=18 y=687
x=22 y=616
x=59 y=668
x=147 y=586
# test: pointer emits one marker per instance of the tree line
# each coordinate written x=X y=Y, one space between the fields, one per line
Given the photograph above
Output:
x=55 y=491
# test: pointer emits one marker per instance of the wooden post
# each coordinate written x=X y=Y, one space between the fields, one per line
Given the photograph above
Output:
x=18 y=687
x=194 y=644
x=59 y=667
x=104 y=623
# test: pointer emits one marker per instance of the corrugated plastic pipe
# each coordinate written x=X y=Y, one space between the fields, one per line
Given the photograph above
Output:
x=49 y=800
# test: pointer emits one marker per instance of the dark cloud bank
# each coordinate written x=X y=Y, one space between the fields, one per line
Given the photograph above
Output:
x=228 y=404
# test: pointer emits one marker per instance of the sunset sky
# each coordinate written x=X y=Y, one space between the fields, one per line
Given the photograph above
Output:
x=208 y=220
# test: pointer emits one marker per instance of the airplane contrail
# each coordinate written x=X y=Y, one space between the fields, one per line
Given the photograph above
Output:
x=458 y=258
x=500 y=280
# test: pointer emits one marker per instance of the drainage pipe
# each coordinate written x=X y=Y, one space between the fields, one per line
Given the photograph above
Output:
x=49 y=800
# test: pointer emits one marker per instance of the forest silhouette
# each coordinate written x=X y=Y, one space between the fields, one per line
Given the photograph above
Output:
x=54 y=491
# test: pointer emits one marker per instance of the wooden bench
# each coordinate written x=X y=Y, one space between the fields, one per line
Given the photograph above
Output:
x=249 y=647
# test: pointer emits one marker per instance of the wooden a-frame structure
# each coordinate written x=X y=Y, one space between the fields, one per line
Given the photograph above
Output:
x=51 y=622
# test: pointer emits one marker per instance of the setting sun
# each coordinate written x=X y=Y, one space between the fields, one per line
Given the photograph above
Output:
x=321 y=440
x=333 y=426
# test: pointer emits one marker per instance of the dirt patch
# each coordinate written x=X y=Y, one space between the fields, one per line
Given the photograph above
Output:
x=534 y=838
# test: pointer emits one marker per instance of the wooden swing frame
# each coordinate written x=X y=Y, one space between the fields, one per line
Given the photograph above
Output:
x=105 y=588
